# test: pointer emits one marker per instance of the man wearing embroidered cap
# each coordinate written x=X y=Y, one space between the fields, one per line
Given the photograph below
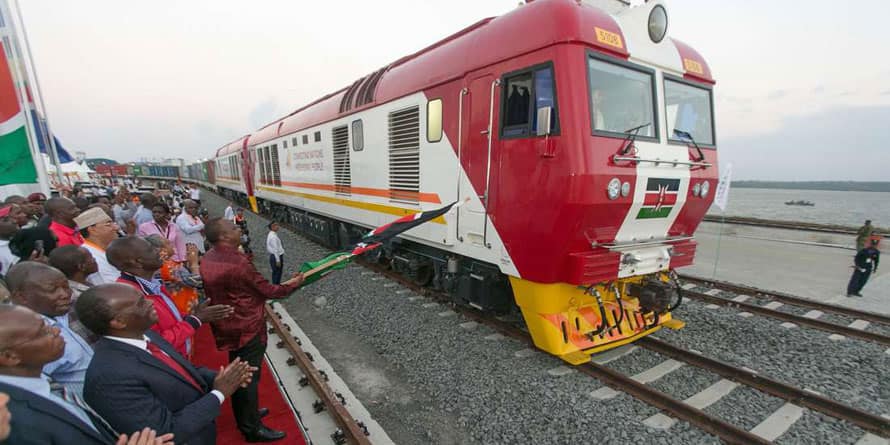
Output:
x=98 y=231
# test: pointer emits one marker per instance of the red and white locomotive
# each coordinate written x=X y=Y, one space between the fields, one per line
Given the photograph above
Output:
x=583 y=140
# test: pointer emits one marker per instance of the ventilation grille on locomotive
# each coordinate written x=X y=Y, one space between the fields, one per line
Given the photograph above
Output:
x=261 y=158
x=404 y=155
x=275 y=168
x=342 y=171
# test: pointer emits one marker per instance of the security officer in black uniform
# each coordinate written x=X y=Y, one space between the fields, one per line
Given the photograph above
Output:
x=865 y=263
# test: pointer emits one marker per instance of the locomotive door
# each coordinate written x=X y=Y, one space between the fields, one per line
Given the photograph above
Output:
x=475 y=158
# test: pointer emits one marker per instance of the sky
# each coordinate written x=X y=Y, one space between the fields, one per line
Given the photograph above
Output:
x=803 y=87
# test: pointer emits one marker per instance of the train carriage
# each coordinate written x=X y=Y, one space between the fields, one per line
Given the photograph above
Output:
x=231 y=179
x=581 y=142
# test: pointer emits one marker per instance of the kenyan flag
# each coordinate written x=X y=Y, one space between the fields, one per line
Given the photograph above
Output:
x=315 y=270
x=16 y=163
x=661 y=195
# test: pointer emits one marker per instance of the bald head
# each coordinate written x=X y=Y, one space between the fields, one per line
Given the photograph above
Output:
x=13 y=319
x=134 y=255
x=223 y=232
x=62 y=210
x=122 y=250
x=26 y=342
x=39 y=287
x=27 y=273
x=115 y=309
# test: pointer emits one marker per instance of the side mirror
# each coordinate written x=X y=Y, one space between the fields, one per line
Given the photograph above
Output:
x=544 y=121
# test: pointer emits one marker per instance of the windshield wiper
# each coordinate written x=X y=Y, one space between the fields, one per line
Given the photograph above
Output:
x=632 y=136
x=685 y=134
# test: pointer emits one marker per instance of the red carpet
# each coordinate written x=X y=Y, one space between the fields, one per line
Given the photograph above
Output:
x=280 y=415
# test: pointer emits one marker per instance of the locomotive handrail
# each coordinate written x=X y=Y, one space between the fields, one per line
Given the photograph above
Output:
x=460 y=166
x=494 y=84
x=656 y=161
x=646 y=243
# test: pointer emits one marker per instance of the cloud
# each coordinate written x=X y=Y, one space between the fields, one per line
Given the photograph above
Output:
x=819 y=89
x=841 y=143
x=885 y=93
x=264 y=113
x=777 y=94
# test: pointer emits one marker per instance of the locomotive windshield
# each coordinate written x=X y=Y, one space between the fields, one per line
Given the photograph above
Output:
x=688 y=109
x=620 y=99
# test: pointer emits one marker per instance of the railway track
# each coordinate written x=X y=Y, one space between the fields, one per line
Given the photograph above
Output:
x=688 y=410
x=791 y=225
x=350 y=430
x=856 y=329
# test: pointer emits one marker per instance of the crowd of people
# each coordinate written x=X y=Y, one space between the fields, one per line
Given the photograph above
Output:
x=102 y=297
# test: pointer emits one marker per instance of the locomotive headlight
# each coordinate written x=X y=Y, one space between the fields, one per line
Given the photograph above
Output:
x=614 y=188
x=625 y=189
x=705 y=187
x=696 y=189
x=658 y=23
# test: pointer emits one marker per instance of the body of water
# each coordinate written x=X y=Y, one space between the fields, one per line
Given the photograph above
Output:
x=831 y=207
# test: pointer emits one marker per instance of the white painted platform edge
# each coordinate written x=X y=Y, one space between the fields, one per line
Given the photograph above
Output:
x=353 y=404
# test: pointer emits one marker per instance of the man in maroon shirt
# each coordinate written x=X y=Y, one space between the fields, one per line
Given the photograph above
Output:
x=62 y=212
x=231 y=279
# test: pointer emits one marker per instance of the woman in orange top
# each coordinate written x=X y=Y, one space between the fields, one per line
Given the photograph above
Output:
x=179 y=279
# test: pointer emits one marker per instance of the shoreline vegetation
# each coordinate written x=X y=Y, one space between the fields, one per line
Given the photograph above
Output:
x=839 y=186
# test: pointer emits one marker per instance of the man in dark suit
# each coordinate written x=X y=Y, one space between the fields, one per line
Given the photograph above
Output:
x=40 y=416
x=136 y=377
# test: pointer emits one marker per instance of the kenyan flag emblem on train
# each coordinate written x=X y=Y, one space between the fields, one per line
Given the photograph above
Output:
x=661 y=195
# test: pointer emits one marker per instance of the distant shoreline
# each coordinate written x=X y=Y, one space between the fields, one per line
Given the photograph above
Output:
x=837 y=186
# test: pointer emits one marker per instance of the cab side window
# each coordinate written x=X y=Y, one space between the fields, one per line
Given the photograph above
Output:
x=524 y=93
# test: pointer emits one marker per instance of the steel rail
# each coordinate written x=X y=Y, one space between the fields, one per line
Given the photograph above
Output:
x=797 y=319
x=865 y=420
x=341 y=415
x=724 y=430
x=789 y=225
x=789 y=299
x=727 y=432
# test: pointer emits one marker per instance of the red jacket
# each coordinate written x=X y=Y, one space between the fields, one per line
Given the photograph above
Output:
x=230 y=278
x=177 y=332
x=66 y=235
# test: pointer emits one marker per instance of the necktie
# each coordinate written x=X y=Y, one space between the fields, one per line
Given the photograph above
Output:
x=169 y=361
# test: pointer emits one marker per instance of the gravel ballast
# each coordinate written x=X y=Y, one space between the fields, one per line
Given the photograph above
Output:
x=427 y=379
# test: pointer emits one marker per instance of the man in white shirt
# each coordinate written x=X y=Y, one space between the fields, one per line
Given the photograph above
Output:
x=98 y=231
x=276 y=252
x=229 y=215
x=191 y=225
x=195 y=194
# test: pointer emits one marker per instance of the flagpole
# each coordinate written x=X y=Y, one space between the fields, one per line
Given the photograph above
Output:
x=719 y=237
x=15 y=67
x=50 y=140
x=320 y=267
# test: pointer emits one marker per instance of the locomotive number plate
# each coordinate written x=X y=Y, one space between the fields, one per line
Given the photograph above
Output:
x=693 y=66
x=608 y=38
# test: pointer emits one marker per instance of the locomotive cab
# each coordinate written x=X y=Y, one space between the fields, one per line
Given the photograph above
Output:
x=605 y=163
